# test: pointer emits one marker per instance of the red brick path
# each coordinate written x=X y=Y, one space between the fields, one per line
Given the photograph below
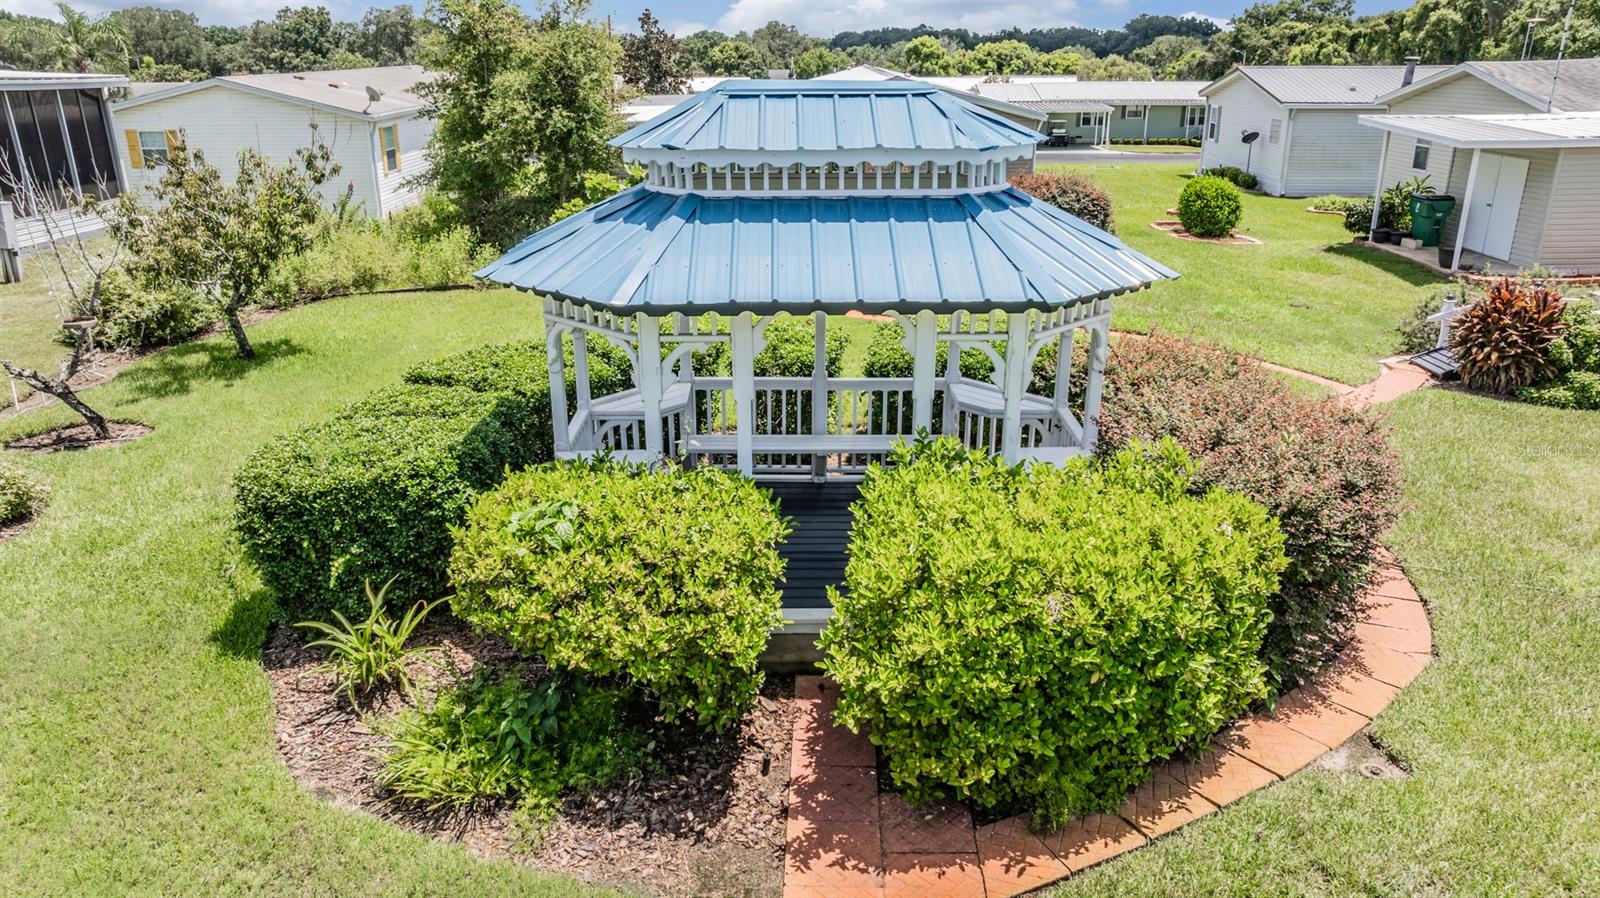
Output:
x=847 y=840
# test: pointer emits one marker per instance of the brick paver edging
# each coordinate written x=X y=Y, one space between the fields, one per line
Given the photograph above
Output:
x=846 y=840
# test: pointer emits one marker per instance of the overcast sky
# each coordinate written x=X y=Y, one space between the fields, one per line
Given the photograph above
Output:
x=819 y=17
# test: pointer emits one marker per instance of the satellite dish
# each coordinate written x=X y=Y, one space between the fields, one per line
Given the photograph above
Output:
x=1250 y=136
x=373 y=96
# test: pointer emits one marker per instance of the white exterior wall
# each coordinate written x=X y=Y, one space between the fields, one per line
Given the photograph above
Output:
x=1537 y=192
x=218 y=121
x=1464 y=95
x=1246 y=107
x=1572 y=229
x=395 y=192
x=1331 y=152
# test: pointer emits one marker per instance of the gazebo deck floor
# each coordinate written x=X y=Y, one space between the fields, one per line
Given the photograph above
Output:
x=815 y=552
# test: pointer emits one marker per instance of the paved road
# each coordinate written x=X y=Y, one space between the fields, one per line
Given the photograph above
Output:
x=1087 y=157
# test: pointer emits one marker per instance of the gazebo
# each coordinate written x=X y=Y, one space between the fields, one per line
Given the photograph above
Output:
x=809 y=199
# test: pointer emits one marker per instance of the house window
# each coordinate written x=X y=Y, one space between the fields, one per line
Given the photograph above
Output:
x=1213 y=121
x=154 y=148
x=389 y=140
x=1133 y=112
x=1086 y=119
x=1194 y=116
x=1419 y=155
x=1275 y=131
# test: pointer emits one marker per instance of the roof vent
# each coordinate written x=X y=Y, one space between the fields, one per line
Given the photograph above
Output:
x=299 y=77
x=1411 y=70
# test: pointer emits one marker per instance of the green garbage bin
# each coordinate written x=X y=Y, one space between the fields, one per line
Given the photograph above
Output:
x=1428 y=212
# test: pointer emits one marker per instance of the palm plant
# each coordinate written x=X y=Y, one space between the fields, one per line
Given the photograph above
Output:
x=83 y=43
x=362 y=655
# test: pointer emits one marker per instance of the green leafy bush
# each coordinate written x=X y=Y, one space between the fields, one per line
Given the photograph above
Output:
x=1234 y=175
x=791 y=349
x=1416 y=333
x=1036 y=637
x=19 y=496
x=1071 y=193
x=133 y=316
x=1358 y=216
x=373 y=651
x=502 y=735
x=667 y=577
x=1332 y=202
x=886 y=356
x=1325 y=471
x=1575 y=355
x=363 y=255
x=1209 y=207
x=370 y=494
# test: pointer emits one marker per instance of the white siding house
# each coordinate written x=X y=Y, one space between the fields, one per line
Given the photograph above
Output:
x=378 y=143
x=1308 y=141
x=1518 y=145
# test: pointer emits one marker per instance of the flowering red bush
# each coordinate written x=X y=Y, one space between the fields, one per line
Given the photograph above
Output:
x=1326 y=471
x=1070 y=193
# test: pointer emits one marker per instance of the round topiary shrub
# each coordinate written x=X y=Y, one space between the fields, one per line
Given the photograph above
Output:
x=1070 y=193
x=1035 y=637
x=1324 y=470
x=19 y=496
x=666 y=577
x=1209 y=207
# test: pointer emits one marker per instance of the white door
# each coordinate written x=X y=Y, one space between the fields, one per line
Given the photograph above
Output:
x=1496 y=202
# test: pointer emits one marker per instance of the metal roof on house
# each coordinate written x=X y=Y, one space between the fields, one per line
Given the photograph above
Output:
x=1065 y=105
x=16 y=80
x=1122 y=93
x=650 y=251
x=1518 y=130
x=1326 y=85
x=1535 y=81
x=341 y=90
x=826 y=115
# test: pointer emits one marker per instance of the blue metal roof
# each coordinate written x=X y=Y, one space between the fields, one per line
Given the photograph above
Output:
x=826 y=115
x=649 y=251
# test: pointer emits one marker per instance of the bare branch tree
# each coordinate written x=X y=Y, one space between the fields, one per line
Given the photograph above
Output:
x=74 y=276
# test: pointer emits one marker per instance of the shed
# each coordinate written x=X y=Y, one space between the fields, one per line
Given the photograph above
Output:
x=808 y=199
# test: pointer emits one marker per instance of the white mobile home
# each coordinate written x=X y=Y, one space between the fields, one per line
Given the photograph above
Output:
x=1518 y=145
x=370 y=118
x=1307 y=138
x=1102 y=111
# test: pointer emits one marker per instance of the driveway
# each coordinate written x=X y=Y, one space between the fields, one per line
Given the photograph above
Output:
x=1086 y=155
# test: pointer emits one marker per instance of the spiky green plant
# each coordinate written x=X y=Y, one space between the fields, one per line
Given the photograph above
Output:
x=373 y=651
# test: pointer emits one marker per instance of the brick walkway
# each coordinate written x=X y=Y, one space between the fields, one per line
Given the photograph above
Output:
x=846 y=840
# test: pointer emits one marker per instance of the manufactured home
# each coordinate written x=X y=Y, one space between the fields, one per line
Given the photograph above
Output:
x=371 y=118
x=1098 y=112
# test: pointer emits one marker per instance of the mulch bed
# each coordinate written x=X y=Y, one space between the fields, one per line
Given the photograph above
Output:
x=79 y=436
x=710 y=822
x=1176 y=229
x=16 y=527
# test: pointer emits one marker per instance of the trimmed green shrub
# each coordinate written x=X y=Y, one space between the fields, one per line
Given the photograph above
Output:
x=664 y=576
x=1332 y=202
x=887 y=357
x=1575 y=356
x=1036 y=637
x=370 y=494
x=502 y=735
x=1358 y=216
x=791 y=349
x=1233 y=175
x=1324 y=470
x=1071 y=193
x=133 y=316
x=19 y=496
x=1209 y=207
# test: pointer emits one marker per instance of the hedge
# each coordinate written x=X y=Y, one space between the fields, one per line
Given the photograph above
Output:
x=1033 y=638
x=1326 y=471
x=666 y=577
x=371 y=493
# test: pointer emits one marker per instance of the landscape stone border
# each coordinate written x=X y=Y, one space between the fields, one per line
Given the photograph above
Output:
x=846 y=840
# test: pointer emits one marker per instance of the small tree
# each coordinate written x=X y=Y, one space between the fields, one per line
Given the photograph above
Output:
x=223 y=238
x=74 y=276
x=651 y=60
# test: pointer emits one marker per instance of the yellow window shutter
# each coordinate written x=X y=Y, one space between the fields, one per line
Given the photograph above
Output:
x=172 y=140
x=135 y=155
x=395 y=130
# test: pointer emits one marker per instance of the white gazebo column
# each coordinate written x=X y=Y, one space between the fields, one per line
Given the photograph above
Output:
x=743 y=351
x=1146 y=123
x=952 y=372
x=1014 y=382
x=649 y=378
x=1099 y=339
x=561 y=436
x=580 y=382
x=923 y=371
x=1466 y=208
x=819 y=389
x=1377 y=191
x=1063 y=391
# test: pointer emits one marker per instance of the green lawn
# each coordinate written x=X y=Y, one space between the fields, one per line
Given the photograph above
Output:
x=136 y=746
x=28 y=325
x=1502 y=732
x=1306 y=298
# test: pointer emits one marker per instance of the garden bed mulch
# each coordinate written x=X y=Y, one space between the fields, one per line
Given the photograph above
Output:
x=16 y=527
x=1176 y=229
x=710 y=821
x=79 y=436
x=1315 y=211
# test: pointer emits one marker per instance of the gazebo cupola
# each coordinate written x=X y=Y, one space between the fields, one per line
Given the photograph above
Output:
x=816 y=198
